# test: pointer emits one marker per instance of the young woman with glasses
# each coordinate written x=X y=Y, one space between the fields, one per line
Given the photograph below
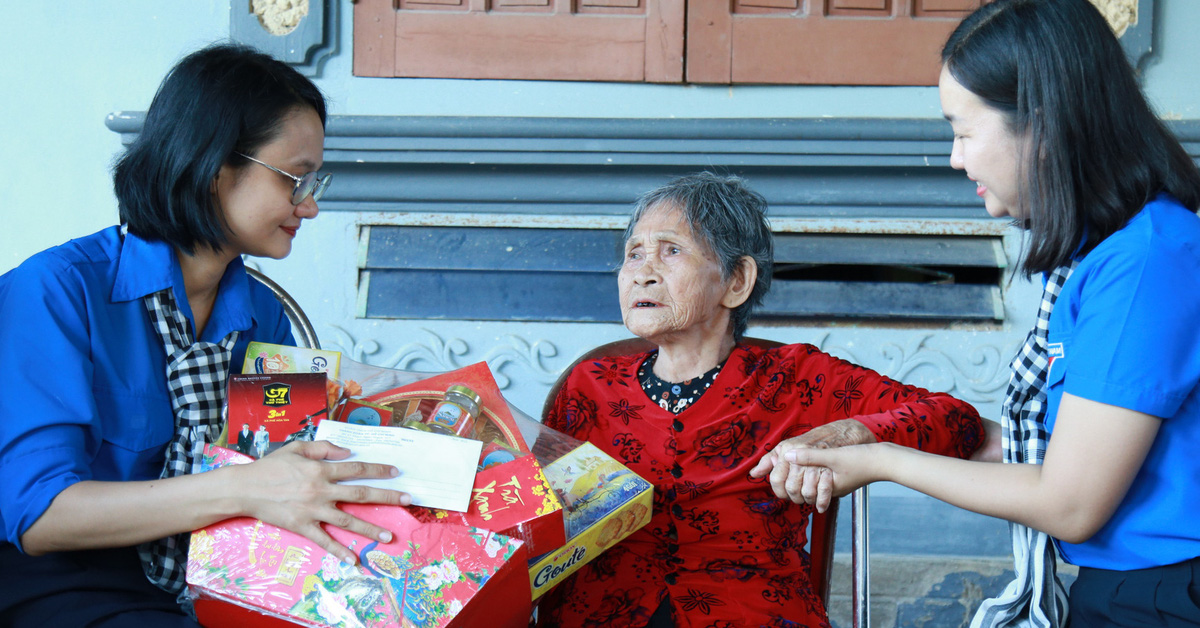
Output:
x=117 y=346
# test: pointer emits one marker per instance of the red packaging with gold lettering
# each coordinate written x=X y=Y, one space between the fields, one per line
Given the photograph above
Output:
x=267 y=411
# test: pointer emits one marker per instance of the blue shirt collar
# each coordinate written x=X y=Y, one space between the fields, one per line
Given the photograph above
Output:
x=1161 y=197
x=144 y=267
x=147 y=266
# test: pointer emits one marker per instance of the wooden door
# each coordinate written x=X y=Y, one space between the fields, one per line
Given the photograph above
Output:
x=836 y=42
x=596 y=40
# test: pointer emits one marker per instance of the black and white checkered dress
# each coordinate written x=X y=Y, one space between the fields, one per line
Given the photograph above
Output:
x=1036 y=597
x=196 y=375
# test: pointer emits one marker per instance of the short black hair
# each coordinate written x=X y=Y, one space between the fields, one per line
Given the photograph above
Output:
x=727 y=216
x=1055 y=69
x=216 y=102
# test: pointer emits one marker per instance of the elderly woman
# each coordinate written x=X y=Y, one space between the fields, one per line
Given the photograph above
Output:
x=697 y=414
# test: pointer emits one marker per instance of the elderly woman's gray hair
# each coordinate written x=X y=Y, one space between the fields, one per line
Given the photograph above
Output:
x=730 y=218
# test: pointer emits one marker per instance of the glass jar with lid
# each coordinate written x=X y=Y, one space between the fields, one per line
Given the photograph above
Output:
x=455 y=414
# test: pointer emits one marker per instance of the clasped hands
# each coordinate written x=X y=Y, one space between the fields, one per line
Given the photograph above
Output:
x=810 y=484
x=801 y=473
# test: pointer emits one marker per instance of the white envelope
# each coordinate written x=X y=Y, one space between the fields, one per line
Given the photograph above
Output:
x=437 y=470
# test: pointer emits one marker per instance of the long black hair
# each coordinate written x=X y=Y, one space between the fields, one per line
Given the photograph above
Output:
x=216 y=102
x=1097 y=153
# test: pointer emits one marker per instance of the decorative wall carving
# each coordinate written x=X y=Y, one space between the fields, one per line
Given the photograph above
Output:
x=441 y=354
x=977 y=376
x=975 y=371
x=301 y=33
x=279 y=17
x=528 y=354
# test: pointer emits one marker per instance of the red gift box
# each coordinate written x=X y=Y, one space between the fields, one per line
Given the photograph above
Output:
x=522 y=494
x=515 y=499
x=433 y=574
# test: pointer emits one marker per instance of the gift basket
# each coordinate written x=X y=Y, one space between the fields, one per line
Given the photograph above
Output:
x=541 y=505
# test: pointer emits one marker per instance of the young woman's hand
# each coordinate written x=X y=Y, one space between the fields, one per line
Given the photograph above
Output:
x=808 y=484
x=297 y=488
x=848 y=468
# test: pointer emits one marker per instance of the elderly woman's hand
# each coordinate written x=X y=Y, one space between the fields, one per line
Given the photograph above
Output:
x=296 y=488
x=849 y=468
x=810 y=484
x=992 y=448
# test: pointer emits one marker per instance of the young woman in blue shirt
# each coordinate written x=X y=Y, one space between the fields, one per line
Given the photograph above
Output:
x=225 y=165
x=1050 y=123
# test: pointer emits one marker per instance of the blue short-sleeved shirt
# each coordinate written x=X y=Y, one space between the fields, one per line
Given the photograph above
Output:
x=85 y=394
x=1126 y=330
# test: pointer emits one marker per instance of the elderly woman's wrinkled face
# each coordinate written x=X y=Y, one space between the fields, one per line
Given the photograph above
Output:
x=670 y=281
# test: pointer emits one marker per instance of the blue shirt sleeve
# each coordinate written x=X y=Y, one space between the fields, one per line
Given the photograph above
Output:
x=47 y=403
x=86 y=395
x=1135 y=339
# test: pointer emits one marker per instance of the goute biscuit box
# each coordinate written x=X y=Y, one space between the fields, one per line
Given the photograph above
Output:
x=243 y=572
x=265 y=359
x=604 y=502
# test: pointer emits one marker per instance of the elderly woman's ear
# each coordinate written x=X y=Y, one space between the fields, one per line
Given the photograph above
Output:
x=741 y=283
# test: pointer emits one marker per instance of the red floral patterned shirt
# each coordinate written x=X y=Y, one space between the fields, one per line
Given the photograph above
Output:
x=726 y=550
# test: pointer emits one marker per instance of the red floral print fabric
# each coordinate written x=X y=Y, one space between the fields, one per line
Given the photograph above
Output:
x=720 y=544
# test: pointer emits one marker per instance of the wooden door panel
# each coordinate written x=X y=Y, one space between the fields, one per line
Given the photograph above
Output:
x=709 y=42
x=598 y=40
x=959 y=7
x=839 y=42
x=758 y=6
x=881 y=8
x=586 y=5
x=836 y=42
x=531 y=6
x=433 y=5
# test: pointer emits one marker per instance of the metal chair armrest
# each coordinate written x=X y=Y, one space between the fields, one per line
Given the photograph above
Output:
x=302 y=328
x=860 y=560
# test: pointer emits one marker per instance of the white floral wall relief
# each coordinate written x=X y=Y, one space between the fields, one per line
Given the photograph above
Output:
x=976 y=373
x=446 y=354
x=435 y=356
x=973 y=368
x=522 y=353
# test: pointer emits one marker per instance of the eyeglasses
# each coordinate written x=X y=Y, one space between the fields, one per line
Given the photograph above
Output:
x=310 y=183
